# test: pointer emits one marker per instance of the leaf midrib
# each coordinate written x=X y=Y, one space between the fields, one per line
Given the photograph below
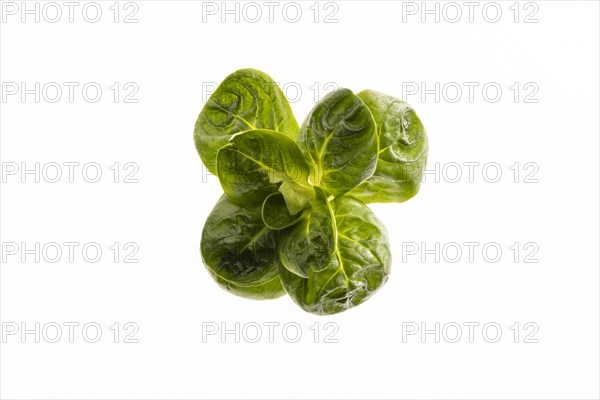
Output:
x=337 y=254
x=254 y=238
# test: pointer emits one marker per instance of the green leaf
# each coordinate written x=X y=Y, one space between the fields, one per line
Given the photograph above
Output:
x=293 y=217
x=403 y=151
x=275 y=213
x=339 y=141
x=247 y=99
x=336 y=258
x=310 y=245
x=253 y=164
x=240 y=252
x=298 y=196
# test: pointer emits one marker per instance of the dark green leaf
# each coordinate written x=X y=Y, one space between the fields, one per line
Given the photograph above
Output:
x=240 y=252
x=275 y=213
x=310 y=244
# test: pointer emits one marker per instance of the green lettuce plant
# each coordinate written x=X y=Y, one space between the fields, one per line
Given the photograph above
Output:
x=293 y=218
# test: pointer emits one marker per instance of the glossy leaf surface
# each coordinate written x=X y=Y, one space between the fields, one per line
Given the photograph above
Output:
x=253 y=164
x=310 y=245
x=293 y=218
x=403 y=151
x=337 y=258
x=275 y=213
x=240 y=252
x=339 y=141
x=247 y=99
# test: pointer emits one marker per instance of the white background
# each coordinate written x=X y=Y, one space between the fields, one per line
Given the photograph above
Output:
x=171 y=54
